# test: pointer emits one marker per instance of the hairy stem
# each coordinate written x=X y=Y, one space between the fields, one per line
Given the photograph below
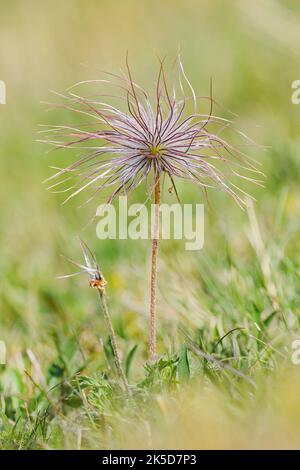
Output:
x=154 y=269
x=112 y=335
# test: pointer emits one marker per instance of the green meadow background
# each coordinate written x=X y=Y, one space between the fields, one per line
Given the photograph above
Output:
x=58 y=387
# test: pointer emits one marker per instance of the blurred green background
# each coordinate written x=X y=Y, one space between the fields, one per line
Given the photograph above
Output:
x=252 y=52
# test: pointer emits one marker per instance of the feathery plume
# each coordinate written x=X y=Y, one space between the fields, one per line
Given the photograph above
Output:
x=151 y=137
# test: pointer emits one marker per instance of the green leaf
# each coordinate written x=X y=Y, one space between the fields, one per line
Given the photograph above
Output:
x=55 y=370
x=73 y=401
x=183 y=365
x=109 y=353
x=129 y=359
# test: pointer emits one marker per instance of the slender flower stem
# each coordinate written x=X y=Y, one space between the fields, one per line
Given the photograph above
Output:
x=154 y=268
x=110 y=327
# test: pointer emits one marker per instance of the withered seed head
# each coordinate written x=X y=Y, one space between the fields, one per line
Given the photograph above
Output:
x=96 y=278
x=151 y=136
